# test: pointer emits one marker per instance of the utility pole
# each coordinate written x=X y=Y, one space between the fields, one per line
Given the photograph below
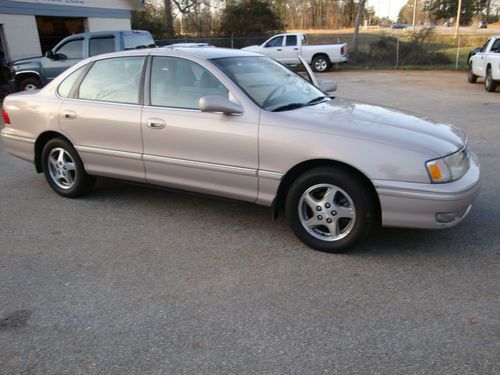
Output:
x=415 y=13
x=457 y=24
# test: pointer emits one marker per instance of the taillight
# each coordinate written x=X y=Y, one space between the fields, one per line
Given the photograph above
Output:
x=6 y=118
x=342 y=51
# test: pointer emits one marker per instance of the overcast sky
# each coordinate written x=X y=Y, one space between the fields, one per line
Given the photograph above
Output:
x=384 y=8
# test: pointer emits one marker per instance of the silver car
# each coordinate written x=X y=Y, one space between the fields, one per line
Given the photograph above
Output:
x=239 y=125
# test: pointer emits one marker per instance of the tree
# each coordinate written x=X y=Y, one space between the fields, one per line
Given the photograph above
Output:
x=446 y=9
x=250 y=17
x=169 y=18
x=359 y=18
x=151 y=19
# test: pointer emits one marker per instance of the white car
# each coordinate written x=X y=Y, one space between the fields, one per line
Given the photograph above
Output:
x=485 y=63
x=286 y=48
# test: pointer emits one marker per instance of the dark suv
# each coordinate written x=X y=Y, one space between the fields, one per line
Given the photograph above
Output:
x=35 y=72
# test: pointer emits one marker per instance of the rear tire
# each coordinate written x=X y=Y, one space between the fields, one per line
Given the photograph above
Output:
x=330 y=209
x=490 y=84
x=64 y=170
x=321 y=63
x=30 y=84
x=471 y=77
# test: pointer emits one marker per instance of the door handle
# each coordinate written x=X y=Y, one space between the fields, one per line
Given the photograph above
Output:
x=155 y=124
x=279 y=49
x=69 y=114
x=296 y=49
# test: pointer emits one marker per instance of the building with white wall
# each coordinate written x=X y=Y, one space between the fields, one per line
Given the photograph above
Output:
x=30 y=27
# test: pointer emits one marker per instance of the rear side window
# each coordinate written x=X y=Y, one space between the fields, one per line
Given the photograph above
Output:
x=71 y=50
x=65 y=87
x=291 y=40
x=136 y=39
x=113 y=80
x=98 y=46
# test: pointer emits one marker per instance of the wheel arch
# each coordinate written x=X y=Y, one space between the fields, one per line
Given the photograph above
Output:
x=318 y=54
x=301 y=168
x=40 y=143
x=24 y=75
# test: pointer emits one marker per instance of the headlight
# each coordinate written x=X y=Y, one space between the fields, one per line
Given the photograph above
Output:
x=449 y=168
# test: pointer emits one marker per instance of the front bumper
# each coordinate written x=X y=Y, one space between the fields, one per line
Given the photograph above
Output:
x=428 y=206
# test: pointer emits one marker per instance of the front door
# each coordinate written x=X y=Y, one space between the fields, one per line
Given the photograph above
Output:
x=185 y=148
x=67 y=55
x=274 y=48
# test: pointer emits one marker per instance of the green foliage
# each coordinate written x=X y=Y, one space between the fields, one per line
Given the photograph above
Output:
x=250 y=18
x=415 y=51
x=446 y=9
x=151 y=19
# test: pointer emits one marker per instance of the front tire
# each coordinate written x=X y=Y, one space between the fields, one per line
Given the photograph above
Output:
x=330 y=209
x=30 y=84
x=64 y=170
x=321 y=63
x=490 y=84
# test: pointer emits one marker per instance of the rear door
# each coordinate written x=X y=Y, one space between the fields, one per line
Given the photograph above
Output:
x=102 y=44
x=102 y=118
x=290 y=50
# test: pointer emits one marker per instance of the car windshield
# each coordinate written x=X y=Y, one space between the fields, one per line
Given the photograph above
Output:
x=269 y=84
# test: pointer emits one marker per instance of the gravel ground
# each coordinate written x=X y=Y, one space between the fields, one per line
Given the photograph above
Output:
x=137 y=280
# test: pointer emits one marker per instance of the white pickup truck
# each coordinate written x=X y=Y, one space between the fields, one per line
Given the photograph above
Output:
x=286 y=48
x=485 y=63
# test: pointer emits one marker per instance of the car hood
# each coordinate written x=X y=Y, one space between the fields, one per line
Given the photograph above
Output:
x=378 y=124
x=251 y=48
x=26 y=60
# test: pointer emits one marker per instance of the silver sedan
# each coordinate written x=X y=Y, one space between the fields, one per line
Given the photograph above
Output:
x=239 y=125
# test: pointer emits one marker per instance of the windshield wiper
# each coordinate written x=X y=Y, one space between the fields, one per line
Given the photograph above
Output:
x=291 y=106
x=316 y=100
x=288 y=107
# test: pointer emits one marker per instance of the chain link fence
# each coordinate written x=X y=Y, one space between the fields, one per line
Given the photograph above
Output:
x=419 y=50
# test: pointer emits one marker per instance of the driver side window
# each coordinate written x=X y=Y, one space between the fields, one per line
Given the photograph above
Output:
x=71 y=50
x=485 y=46
x=275 y=42
x=180 y=83
x=496 y=46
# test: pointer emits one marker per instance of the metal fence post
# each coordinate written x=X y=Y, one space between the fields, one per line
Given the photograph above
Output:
x=232 y=40
x=458 y=52
x=397 y=52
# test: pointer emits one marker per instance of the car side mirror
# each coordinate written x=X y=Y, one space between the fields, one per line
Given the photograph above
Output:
x=327 y=86
x=51 y=55
x=216 y=103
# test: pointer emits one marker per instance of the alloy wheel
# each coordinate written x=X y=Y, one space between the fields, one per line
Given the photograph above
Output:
x=62 y=168
x=327 y=212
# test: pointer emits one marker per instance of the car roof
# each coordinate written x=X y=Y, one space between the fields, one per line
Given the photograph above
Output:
x=107 y=32
x=203 y=53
